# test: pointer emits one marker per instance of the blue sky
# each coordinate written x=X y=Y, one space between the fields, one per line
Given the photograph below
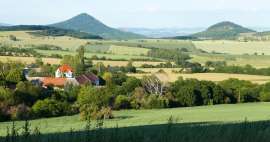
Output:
x=139 y=13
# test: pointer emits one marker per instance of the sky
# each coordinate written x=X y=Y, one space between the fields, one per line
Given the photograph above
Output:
x=139 y=13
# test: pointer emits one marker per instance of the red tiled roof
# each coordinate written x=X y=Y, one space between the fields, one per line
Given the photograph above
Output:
x=65 y=68
x=87 y=78
x=60 y=82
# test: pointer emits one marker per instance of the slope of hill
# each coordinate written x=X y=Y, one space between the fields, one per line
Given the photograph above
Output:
x=87 y=23
x=39 y=30
x=223 y=30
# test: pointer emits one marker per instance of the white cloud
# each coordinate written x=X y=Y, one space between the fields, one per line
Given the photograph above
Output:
x=152 y=8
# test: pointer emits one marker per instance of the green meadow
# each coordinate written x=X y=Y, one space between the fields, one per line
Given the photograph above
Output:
x=222 y=114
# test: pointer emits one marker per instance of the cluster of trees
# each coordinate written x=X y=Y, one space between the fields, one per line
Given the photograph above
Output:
x=11 y=73
x=222 y=67
x=29 y=101
x=6 y=50
x=20 y=99
x=47 y=47
x=176 y=55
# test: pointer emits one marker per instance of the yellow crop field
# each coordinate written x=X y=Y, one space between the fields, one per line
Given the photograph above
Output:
x=255 y=61
x=215 y=77
x=155 y=70
x=25 y=39
x=125 y=50
x=234 y=47
x=29 y=60
x=124 y=63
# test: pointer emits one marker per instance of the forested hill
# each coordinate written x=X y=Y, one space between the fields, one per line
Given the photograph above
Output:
x=39 y=30
x=88 y=24
x=223 y=30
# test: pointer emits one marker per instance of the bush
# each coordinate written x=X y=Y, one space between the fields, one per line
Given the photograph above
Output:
x=21 y=112
x=137 y=98
x=93 y=112
x=265 y=96
x=26 y=93
x=122 y=102
x=51 y=108
x=156 y=102
x=4 y=114
x=15 y=76
x=91 y=100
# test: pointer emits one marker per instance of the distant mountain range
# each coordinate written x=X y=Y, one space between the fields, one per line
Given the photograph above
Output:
x=223 y=30
x=86 y=26
x=163 y=32
x=4 y=25
x=86 y=23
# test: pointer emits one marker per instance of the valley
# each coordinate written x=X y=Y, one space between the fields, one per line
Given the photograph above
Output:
x=80 y=79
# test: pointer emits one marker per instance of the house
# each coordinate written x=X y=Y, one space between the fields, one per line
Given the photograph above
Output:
x=64 y=71
x=59 y=82
x=55 y=82
x=88 y=78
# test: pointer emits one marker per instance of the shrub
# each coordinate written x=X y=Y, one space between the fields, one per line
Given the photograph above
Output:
x=51 y=108
x=122 y=102
x=14 y=76
x=91 y=100
x=4 y=114
x=156 y=102
x=265 y=96
x=26 y=93
x=21 y=112
x=93 y=112
x=137 y=98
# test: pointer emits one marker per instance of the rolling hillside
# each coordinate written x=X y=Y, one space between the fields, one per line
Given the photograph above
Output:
x=87 y=23
x=39 y=30
x=223 y=30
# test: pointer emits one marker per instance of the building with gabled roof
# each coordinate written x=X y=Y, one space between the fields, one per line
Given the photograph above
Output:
x=64 y=71
x=88 y=78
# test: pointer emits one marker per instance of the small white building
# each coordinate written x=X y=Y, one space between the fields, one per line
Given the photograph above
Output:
x=64 y=71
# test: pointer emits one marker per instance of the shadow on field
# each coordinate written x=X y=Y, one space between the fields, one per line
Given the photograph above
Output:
x=186 y=132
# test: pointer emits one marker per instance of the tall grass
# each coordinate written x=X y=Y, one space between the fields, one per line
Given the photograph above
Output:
x=170 y=132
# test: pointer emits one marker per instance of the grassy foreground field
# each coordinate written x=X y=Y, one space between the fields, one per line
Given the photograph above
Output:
x=127 y=118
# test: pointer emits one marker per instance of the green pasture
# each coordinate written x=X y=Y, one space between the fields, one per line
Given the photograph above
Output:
x=128 y=118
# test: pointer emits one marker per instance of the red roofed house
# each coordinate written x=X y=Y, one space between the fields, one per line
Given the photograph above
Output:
x=88 y=78
x=57 y=82
x=64 y=71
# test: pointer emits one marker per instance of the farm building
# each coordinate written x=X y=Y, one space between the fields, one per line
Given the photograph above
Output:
x=64 y=71
x=89 y=78
x=58 y=82
x=64 y=76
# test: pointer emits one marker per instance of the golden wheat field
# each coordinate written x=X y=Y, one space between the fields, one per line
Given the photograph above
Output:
x=215 y=77
x=25 y=39
x=234 y=47
x=29 y=60
x=237 y=60
x=125 y=50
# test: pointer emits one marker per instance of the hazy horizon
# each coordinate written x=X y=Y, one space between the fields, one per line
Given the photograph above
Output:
x=143 y=14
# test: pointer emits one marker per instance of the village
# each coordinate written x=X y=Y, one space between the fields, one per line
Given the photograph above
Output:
x=64 y=76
